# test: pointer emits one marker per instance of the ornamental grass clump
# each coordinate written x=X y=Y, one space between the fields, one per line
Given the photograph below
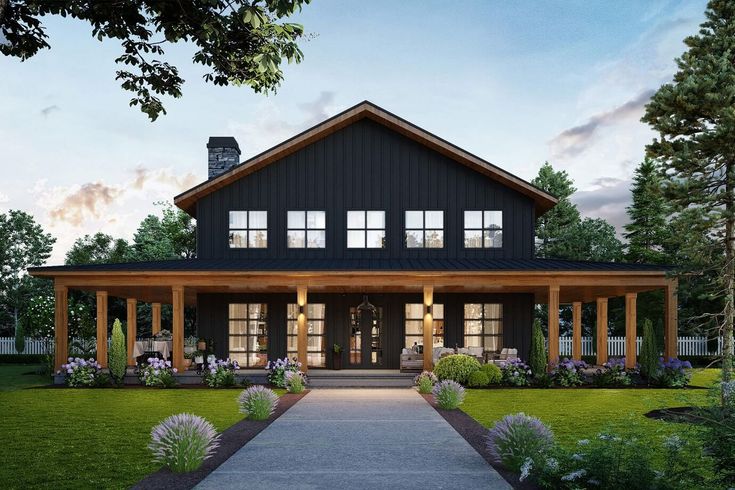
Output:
x=258 y=402
x=448 y=394
x=220 y=373
x=425 y=382
x=515 y=372
x=158 y=373
x=517 y=438
x=569 y=373
x=277 y=370
x=295 y=381
x=83 y=373
x=183 y=441
x=456 y=367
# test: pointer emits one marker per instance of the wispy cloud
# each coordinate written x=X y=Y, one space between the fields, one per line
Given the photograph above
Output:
x=49 y=109
x=85 y=201
x=607 y=198
x=4 y=198
x=144 y=176
x=575 y=140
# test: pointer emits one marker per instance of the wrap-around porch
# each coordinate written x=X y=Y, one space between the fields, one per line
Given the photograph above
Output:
x=180 y=288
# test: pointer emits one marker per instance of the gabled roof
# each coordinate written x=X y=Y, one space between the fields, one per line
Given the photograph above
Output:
x=365 y=110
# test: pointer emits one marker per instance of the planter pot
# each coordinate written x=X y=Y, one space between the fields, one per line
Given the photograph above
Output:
x=199 y=359
x=201 y=345
x=187 y=363
x=337 y=361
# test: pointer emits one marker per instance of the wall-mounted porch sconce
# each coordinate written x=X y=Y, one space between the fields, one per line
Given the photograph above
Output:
x=429 y=310
x=301 y=309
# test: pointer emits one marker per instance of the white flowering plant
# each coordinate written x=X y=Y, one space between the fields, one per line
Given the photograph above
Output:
x=83 y=373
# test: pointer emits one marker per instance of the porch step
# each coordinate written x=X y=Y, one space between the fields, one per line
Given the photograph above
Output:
x=353 y=378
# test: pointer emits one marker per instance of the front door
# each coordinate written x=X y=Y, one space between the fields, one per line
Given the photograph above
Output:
x=366 y=335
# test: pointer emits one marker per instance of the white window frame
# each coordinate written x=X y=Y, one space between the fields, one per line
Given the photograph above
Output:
x=247 y=229
x=365 y=229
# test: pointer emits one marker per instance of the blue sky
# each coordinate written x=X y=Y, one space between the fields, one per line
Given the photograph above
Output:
x=517 y=83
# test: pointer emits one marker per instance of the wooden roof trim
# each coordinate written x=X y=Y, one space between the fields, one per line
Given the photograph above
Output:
x=365 y=109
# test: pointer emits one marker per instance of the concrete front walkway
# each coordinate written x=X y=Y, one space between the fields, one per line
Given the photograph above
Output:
x=349 y=438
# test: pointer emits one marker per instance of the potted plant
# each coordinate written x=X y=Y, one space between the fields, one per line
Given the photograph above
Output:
x=336 y=357
x=188 y=358
x=198 y=357
x=202 y=344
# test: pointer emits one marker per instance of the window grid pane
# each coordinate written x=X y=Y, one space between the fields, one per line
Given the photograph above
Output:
x=424 y=229
x=483 y=229
x=414 y=324
x=248 y=333
x=248 y=229
x=306 y=229
x=483 y=326
x=365 y=229
x=316 y=340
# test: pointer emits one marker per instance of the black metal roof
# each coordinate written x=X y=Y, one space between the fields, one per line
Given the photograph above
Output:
x=422 y=264
x=223 y=142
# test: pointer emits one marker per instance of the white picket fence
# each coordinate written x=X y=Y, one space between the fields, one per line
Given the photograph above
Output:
x=39 y=346
x=688 y=346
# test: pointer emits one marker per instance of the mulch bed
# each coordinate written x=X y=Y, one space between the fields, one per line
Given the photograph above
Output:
x=476 y=435
x=675 y=414
x=231 y=440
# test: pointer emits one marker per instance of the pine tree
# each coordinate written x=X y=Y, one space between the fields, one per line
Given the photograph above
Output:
x=537 y=359
x=551 y=224
x=695 y=121
x=648 y=358
x=647 y=230
x=118 y=356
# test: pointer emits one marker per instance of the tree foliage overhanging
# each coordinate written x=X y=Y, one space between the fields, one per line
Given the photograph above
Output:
x=239 y=42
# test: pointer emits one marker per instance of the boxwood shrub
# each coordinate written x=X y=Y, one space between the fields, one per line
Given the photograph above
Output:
x=457 y=367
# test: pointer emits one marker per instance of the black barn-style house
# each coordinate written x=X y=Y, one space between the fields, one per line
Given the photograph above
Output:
x=368 y=232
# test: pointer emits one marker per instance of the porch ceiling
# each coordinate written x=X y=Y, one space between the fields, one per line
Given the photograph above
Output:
x=155 y=286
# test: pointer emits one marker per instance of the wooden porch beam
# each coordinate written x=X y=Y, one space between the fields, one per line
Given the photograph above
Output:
x=601 y=331
x=102 y=328
x=577 y=330
x=671 y=320
x=630 y=329
x=428 y=328
x=553 y=324
x=61 y=326
x=302 y=323
x=132 y=321
x=155 y=318
x=177 y=293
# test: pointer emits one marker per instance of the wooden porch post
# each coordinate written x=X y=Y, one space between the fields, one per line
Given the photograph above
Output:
x=601 y=331
x=553 y=324
x=671 y=320
x=132 y=329
x=177 y=293
x=61 y=325
x=630 y=329
x=428 y=328
x=577 y=330
x=102 y=328
x=302 y=342
x=155 y=318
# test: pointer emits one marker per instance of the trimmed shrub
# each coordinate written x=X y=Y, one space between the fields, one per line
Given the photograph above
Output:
x=478 y=379
x=295 y=381
x=118 y=357
x=448 y=394
x=515 y=372
x=493 y=372
x=456 y=367
x=538 y=360
x=182 y=442
x=648 y=359
x=517 y=438
x=20 y=338
x=425 y=382
x=220 y=373
x=158 y=373
x=258 y=402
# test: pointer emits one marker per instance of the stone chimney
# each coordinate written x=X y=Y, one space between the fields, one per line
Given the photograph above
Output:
x=224 y=153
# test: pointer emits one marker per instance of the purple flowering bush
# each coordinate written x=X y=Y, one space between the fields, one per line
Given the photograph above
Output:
x=673 y=373
x=220 y=373
x=515 y=372
x=83 y=373
x=448 y=394
x=517 y=438
x=614 y=374
x=295 y=381
x=158 y=373
x=277 y=370
x=425 y=382
x=569 y=373
x=183 y=441
x=258 y=402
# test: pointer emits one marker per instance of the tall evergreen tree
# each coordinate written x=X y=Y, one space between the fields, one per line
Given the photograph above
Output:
x=695 y=120
x=551 y=224
x=647 y=229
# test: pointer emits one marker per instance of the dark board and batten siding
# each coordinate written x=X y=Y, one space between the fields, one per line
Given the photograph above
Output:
x=365 y=166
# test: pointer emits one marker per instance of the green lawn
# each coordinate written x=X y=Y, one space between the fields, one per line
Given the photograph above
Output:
x=93 y=438
x=575 y=414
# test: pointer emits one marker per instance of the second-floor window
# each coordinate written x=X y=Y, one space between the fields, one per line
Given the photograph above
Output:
x=424 y=229
x=365 y=229
x=306 y=229
x=483 y=229
x=248 y=229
